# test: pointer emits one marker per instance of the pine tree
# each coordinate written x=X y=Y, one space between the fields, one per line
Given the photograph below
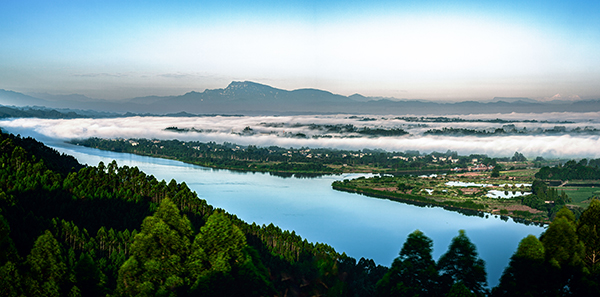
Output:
x=90 y=280
x=461 y=264
x=221 y=262
x=560 y=240
x=10 y=280
x=588 y=231
x=414 y=272
x=47 y=267
x=563 y=253
x=526 y=272
x=158 y=253
x=8 y=252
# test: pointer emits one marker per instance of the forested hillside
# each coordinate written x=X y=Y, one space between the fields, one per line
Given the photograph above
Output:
x=91 y=231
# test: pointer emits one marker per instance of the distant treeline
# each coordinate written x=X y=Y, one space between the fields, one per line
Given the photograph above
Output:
x=44 y=113
x=327 y=130
x=572 y=170
x=461 y=120
x=284 y=160
x=349 y=128
x=506 y=131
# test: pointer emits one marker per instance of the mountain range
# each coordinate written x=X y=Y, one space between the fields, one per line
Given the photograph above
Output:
x=250 y=98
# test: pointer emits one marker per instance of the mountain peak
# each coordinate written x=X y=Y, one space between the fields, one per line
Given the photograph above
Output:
x=247 y=87
x=359 y=97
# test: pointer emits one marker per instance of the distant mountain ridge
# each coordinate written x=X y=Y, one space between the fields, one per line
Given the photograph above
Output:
x=251 y=98
x=18 y=99
x=514 y=99
x=70 y=97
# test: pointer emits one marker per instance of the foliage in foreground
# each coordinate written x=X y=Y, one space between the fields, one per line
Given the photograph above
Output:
x=93 y=231
x=564 y=261
x=109 y=230
x=415 y=273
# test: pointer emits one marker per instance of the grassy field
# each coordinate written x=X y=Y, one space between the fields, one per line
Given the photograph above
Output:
x=584 y=183
x=520 y=173
x=581 y=195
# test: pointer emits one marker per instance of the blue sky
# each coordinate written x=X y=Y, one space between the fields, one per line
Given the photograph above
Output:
x=437 y=50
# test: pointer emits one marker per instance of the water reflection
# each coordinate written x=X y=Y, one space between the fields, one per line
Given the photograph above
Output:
x=499 y=194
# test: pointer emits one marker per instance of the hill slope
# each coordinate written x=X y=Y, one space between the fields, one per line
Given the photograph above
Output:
x=92 y=231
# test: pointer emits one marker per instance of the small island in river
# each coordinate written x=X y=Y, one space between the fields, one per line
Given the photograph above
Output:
x=523 y=194
x=481 y=197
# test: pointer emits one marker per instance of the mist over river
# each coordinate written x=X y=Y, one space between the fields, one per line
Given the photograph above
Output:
x=357 y=225
x=550 y=135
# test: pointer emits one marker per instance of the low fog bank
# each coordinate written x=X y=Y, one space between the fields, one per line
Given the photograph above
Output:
x=283 y=131
x=548 y=116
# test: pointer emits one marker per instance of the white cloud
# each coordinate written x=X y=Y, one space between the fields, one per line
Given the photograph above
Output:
x=228 y=128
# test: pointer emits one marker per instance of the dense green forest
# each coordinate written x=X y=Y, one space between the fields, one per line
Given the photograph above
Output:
x=572 y=170
x=92 y=231
x=71 y=230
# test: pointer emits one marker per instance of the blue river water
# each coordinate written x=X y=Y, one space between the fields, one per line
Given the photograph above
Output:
x=357 y=225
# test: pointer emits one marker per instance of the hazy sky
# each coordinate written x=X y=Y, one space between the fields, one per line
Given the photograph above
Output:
x=446 y=50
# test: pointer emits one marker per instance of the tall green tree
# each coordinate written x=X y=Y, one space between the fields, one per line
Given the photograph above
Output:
x=495 y=172
x=46 y=266
x=561 y=244
x=8 y=252
x=218 y=246
x=518 y=157
x=462 y=264
x=563 y=253
x=459 y=290
x=526 y=272
x=90 y=280
x=588 y=231
x=156 y=266
x=10 y=280
x=414 y=272
x=222 y=264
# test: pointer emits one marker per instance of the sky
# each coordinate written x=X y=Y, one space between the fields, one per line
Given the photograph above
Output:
x=434 y=50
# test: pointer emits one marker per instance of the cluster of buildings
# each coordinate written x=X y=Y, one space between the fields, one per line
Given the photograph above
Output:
x=477 y=167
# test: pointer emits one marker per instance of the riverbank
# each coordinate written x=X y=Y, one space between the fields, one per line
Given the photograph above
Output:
x=278 y=160
x=471 y=206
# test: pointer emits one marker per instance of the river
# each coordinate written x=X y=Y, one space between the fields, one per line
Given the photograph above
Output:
x=358 y=225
